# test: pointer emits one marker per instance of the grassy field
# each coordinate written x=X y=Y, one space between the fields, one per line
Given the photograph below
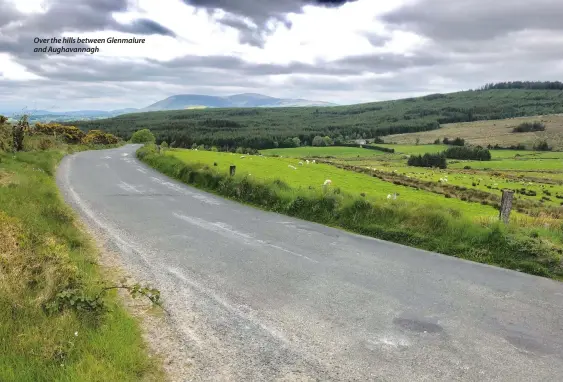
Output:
x=46 y=335
x=323 y=152
x=358 y=202
x=537 y=172
x=492 y=132
x=314 y=175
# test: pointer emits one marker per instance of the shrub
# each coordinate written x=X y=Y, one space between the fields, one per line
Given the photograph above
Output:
x=5 y=134
x=471 y=153
x=143 y=136
x=98 y=137
x=542 y=146
x=70 y=134
x=526 y=127
x=428 y=160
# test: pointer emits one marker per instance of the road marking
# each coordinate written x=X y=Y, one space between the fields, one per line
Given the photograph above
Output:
x=129 y=187
x=228 y=231
x=182 y=190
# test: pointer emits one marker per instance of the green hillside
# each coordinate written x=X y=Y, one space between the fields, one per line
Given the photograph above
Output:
x=264 y=128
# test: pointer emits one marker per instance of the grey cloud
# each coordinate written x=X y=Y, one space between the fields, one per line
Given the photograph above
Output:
x=145 y=26
x=260 y=12
x=476 y=19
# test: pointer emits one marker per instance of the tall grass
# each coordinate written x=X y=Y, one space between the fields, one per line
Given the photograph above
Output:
x=436 y=229
x=43 y=252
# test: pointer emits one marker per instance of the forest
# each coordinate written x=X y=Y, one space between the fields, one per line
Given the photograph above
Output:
x=264 y=128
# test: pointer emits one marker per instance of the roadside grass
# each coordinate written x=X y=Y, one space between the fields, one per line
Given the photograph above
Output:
x=44 y=252
x=433 y=227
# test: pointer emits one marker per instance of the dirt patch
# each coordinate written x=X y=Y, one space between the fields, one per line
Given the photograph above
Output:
x=7 y=178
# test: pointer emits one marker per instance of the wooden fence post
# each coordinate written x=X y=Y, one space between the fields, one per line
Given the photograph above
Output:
x=232 y=170
x=506 y=205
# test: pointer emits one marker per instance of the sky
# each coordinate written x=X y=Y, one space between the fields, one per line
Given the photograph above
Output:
x=324 y=50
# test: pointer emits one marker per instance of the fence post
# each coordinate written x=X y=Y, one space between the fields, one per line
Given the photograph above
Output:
x=232 y=170
x=506 y=205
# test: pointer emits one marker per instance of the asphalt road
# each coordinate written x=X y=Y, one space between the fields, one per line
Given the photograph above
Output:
x=259 y=296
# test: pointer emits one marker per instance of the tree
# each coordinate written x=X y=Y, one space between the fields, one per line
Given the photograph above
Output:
x=318 y=141
x=328 y=141
x=417 y=140
x=296 y=141
x=18 y=133
x=164 y=145
x=143 y=136
x=437 y=141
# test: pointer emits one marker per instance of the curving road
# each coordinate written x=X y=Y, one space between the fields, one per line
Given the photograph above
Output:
x=259 y=296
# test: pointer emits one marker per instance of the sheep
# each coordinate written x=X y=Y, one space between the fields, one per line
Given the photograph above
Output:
x=293 y=167
x=327 y=182
x=314 y=161
x=307 y=161
x=392 y=196
x=242 y=156
x=300 y=163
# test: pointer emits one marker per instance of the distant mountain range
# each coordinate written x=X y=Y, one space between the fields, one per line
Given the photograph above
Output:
x=176 y=102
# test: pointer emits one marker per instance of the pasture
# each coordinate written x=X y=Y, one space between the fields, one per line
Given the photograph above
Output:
x=314 y=175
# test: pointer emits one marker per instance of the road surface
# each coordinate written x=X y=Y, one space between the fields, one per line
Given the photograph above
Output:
x=259 y=296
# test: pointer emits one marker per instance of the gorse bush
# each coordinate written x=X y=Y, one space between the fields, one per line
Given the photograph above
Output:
x=428 y=160
x=5 y=134
x=468 y=152
x=143 y=136
x=70 y=134
x=436 y=229
x=98 y=137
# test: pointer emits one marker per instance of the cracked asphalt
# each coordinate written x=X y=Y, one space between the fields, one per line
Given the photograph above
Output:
x=258 y=296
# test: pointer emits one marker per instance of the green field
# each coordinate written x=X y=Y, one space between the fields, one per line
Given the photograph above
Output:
x=320 y=152
x=314 y=175
x=511 y=169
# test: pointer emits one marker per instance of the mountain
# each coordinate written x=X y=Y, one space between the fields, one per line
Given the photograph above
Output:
x=188 y=101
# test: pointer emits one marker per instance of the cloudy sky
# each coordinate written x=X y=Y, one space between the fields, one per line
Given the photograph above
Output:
x=338 y=51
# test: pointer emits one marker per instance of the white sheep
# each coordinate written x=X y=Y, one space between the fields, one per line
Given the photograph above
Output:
x=307 y=161
x=293 y=167
x=392 y=196
x=314 y=161
x=327 y=182
x=300 y=163
x=242 y=156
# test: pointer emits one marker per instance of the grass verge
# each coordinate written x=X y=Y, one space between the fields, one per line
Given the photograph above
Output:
x=435 y=229
x=51 y=328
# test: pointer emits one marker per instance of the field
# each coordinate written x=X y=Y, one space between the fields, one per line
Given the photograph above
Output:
x=537 y=172
x=323 y=152
x=48 y=273
x=314 y=175
x=266 y=128
x=492 y=132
